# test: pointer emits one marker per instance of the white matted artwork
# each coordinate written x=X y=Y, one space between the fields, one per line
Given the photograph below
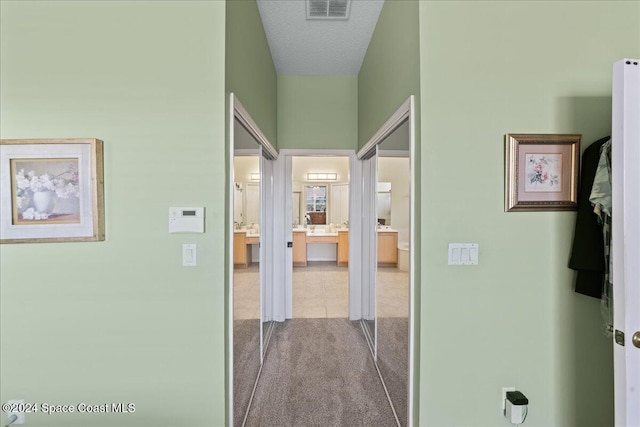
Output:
x=543 y=172
x=51 y=190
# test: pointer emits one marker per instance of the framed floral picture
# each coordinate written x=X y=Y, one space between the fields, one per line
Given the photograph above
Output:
x=51 y=190
x=541 y=172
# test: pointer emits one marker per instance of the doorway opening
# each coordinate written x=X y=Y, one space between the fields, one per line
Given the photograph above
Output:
x=320 y=229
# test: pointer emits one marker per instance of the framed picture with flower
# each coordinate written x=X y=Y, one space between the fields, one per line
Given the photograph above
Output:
x=541 y=172
x=51 y=190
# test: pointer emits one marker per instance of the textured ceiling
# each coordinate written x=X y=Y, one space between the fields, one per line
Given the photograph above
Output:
x=318 y=47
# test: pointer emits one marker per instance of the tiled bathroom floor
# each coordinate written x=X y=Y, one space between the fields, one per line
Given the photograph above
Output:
x=320 y=290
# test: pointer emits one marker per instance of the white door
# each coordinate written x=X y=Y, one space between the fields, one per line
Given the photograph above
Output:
x=334 y=203
x=625 y=249
x=238 y=215
x=344 y=204
x=252 y=203
x=295 y=208
x=339 y=203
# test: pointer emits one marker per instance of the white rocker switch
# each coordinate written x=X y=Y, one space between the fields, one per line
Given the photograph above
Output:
x=189 y=255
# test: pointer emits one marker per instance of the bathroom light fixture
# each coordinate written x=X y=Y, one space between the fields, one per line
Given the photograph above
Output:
x=255 y=177
x=324 y=176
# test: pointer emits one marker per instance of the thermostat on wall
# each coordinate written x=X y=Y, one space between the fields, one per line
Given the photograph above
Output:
x=186 y=220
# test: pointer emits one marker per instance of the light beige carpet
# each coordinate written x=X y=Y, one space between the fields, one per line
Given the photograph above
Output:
x=319 y=372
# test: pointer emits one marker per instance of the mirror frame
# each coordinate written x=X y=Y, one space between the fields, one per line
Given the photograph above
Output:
x=405 y=112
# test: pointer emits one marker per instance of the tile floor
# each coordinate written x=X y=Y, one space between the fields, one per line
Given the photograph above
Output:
x=321 y=290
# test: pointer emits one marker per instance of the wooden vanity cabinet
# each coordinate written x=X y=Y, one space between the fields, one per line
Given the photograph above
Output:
x=343 y=248
x=240 y=258
x=387 y=248
x=300 y=248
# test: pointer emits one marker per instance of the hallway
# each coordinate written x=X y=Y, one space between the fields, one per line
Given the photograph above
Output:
x=319 y=372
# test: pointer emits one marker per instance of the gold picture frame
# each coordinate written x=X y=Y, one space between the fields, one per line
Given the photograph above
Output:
x=51 y=190
x=541 y=172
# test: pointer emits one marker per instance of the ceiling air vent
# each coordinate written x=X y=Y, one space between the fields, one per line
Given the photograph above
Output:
x=328 y=9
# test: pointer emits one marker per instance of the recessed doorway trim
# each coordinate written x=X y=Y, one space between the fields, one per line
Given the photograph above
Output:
x=284 y=228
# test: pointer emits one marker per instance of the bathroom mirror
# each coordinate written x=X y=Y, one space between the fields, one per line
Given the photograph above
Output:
x=297 y=214
x=384 y=203
x=316 y=204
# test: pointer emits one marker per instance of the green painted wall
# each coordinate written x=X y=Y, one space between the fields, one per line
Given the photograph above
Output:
x=250 y=72
x=319 y=112
x=390 y=71
x=120 y=320
x=489 y=68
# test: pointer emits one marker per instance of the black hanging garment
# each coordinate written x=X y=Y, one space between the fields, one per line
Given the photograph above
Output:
x=587 y=253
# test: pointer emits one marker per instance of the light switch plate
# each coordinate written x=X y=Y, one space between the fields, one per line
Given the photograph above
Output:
x=463 y=253
x=189 y=255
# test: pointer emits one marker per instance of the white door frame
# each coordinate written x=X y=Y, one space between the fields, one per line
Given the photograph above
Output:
x=625 y=250
x=405 y=112
x=283 y=294
x=237 y=111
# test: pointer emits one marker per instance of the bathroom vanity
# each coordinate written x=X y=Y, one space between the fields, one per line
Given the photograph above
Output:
x=299 y=248
x=387 y=246
x=304 y=237
x=343 y=248
x=242 y=244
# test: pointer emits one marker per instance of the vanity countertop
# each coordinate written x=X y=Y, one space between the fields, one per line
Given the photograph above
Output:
x=321 y=232
x=387 y=230
x=249 y=233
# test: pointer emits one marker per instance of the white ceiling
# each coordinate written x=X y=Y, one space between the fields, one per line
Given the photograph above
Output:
x=318 y=47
